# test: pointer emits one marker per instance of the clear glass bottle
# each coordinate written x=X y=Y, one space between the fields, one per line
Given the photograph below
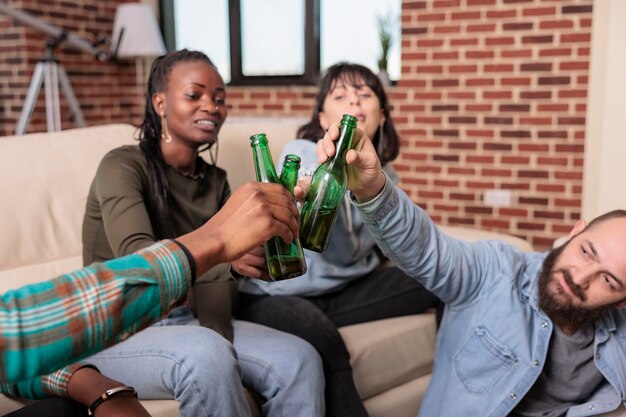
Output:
x=283 y=260
x=326 y=193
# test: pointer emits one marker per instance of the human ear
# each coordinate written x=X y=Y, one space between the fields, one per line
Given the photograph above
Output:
x=578 y=227
x=158 y=103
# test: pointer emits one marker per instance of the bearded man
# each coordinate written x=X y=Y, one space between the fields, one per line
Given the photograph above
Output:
x=523 y=334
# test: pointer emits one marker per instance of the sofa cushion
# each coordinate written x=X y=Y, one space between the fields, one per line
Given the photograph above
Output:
x=8 y=405
x=401 y=401
x=235 y=155
x=42 y=228
x=390 y=352
x=44 y=198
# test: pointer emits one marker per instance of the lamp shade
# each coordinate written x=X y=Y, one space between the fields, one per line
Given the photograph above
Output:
x=135 y=32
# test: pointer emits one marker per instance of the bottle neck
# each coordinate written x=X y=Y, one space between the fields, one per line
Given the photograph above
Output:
x=263 y=164
x=342 y=146
x=289 y=176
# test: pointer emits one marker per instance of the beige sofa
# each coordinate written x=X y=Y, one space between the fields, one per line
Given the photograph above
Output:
x=44 y=185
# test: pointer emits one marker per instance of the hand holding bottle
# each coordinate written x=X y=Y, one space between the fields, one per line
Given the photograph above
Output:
x=252 y=264
x=301 y=188
x=284 y=258
x=254 y=213
x=327 y=192
x=365 y=176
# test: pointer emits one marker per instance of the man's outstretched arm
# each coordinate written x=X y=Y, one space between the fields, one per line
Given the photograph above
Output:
x=47 y=325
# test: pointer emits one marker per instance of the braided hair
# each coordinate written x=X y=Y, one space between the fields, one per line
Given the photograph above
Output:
x=150 y=138
x=353 y=74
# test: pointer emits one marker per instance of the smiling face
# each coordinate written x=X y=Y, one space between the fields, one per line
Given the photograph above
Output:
x=193 y=102
x=356 y=99
x=586 y=277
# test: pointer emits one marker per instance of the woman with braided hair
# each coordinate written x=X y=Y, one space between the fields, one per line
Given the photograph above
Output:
x=163 y=189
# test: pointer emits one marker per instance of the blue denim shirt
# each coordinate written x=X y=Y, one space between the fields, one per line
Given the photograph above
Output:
x=493 y=341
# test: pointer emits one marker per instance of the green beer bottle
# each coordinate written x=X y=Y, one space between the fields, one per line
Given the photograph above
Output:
x=326 y=193
x=289 y=173
x=283 y=260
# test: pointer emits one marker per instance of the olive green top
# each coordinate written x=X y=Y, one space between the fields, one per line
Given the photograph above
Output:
x=116 y=220
x=118 y=223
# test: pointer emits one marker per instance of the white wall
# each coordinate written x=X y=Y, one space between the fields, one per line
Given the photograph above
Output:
x=604 y=183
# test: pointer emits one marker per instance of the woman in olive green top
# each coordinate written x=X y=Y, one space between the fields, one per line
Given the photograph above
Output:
x=163 y=189
x=117 y=218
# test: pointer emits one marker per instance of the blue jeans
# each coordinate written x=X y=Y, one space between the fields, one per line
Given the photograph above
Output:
x=177 y=359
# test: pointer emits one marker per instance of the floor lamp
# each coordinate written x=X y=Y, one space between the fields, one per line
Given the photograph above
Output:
x=136 y=35
x=50 y=73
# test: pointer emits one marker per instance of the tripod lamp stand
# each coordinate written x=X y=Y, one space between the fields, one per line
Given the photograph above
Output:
x=52 y=75
x=136 y=35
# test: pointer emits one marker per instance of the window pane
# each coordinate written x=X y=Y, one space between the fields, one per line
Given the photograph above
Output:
x=272 y=37
x=202 y=25
x=349 y=32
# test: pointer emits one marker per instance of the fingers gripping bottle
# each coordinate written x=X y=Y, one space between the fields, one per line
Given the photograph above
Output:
x=326 y=192
x=283 y=260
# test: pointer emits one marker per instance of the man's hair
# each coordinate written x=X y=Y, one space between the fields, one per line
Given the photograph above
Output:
x=614 y=214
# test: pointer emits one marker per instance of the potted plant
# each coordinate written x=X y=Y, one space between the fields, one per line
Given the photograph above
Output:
x=386 y=36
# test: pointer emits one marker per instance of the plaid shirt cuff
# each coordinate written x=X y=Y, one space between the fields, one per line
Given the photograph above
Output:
x=55 y=384
x=171 y=266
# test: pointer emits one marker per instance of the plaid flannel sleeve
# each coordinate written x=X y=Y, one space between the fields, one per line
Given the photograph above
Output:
x=47 y=325
x=54 y=384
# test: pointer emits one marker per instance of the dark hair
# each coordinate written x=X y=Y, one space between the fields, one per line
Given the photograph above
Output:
x=150 y=138
x=354 y=74
x=614 y=214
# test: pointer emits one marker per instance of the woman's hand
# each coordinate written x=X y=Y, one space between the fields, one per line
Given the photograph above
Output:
x=302 y=188
x=253 y=214
x=252 y=264
x=365 y=176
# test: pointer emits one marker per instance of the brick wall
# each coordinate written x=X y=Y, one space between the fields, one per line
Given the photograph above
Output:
x=492 y=96
x=107 y=92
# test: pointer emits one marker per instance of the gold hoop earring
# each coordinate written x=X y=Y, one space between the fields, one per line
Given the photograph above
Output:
x=381 y=141
x=213 y=149
x=217 y=150
x=165 y=134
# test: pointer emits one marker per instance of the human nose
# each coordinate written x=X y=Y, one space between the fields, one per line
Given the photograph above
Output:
x=355 y=100
x=584 y=275
x=210 y=105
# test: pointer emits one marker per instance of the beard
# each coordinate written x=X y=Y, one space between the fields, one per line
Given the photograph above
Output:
x=560 y=307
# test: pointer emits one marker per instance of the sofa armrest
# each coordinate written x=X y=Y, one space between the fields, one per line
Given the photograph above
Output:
x=473 y=235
